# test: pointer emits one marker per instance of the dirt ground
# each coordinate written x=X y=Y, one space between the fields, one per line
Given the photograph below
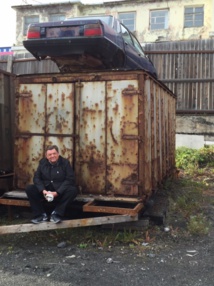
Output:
x=159 y=257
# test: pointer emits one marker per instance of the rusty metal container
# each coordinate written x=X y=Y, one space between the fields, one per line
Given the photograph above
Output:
x=117 y=128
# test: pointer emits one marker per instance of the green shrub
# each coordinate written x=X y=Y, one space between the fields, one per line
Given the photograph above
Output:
x=190 y=159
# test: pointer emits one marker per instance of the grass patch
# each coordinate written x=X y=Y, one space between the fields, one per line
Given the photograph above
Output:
x=198 y=225
x=186 y=195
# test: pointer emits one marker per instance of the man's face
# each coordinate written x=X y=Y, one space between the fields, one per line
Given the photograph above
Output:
x=52 y=156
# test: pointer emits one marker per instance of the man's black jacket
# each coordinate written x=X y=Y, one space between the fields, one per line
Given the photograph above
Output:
x=59 y=176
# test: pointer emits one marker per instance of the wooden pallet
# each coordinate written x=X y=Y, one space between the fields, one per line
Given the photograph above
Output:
x=95 y=204
x=118 y=210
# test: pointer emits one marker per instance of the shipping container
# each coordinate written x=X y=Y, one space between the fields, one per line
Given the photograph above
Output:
x=117 y=128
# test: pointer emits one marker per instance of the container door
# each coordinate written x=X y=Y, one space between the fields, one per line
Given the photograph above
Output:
x=91 y=129
x=60 y=118
x=122 y=137
x=107 y=128
x=44 y=116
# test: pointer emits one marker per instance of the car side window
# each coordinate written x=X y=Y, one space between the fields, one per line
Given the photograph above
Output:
x=126 y=36
x=138 y=46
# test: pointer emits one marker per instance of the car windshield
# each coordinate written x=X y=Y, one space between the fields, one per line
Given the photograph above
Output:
x=105 y=18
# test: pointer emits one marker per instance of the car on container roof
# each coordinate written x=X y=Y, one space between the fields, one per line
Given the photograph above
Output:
x=87 y=43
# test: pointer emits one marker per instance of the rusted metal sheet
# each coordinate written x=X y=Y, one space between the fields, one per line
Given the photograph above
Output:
x=117 y=129
x=122 y=132
x=91 y=136
x=43 y=117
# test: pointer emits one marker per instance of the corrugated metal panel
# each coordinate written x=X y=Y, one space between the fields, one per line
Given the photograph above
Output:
x=117 y=129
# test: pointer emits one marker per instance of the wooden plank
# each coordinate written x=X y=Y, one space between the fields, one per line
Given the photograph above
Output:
x=15 y=195
x=20 y=228
x=13 y=202
x=22 y=195
x=6 y=175
x=89 y=207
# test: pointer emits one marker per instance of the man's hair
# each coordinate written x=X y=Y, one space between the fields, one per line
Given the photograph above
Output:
x=51 y=147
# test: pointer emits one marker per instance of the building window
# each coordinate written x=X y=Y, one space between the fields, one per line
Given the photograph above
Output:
x=193 y=17
x=56 y=17
x=128 y=19
x=29 y=20
x=159 y=19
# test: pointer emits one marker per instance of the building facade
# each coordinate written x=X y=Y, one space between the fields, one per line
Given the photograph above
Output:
x=151 y=21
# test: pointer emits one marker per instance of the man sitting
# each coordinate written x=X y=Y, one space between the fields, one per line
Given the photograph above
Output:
x=54 y=178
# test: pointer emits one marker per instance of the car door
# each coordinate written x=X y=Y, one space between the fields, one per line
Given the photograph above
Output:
x=135 y=56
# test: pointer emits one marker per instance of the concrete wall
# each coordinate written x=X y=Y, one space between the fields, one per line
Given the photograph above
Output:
x=194 y=131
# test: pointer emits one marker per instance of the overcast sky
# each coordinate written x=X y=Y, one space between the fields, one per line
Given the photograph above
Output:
x=8 y=17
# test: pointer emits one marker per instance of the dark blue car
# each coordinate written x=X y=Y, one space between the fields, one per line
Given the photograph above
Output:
x=87 y=43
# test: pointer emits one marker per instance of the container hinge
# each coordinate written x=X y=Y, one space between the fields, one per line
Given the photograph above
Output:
x=25 y=95
x=25 y=136
x=131 y=91
x=130 y=182
x=79 y=84
x=132 y=137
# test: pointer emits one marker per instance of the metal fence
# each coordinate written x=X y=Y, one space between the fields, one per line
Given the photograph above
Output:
x=187 y=68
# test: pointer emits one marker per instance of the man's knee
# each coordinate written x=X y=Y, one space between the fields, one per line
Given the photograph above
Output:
x=30 y=188
x=71 y=193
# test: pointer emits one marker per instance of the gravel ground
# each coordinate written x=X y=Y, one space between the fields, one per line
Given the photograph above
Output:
x=165 y=262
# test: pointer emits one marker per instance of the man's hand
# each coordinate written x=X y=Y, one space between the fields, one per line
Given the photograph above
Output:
x=45 y=193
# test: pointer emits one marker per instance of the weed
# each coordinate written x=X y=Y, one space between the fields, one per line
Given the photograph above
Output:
x=126 y=236
x=83 y=245
x=198 y=225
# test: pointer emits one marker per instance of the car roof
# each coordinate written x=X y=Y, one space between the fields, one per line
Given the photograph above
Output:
x=108 y=19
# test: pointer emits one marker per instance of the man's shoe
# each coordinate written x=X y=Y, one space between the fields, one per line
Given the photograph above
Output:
x=55 y=218
x=39 y=219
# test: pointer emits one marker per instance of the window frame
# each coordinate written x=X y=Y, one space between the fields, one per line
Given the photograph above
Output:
x=26 y=23
x=56 y=16
x=130 y=39
x=156 y=22
x=193 y=15
x=123 y=21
